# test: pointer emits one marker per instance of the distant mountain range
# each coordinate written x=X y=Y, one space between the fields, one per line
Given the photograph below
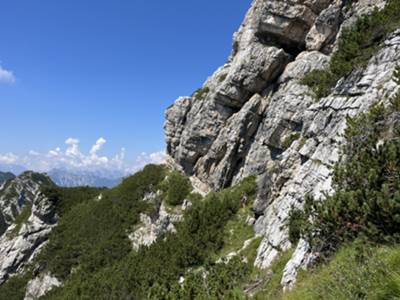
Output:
x=66 y=178
x=11 y=168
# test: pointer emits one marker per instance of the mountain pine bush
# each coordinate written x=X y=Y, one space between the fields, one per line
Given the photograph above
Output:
x=357 y=45
x=367 y=183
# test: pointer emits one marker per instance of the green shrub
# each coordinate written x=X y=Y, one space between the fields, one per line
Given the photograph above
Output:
x=14 y=287
x=356 y=46
x=222 y=78
x=92 y=233
x=178 y=188
x=66 y=198
x=201 y=93
x=367 y=198
x=320 y=81
x=297 y=222
x=288 y=141
x=154 y=271
x=194 y=197
x=221 y=282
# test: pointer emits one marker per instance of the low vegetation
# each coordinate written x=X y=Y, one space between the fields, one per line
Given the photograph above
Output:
x=176 y=188
x=201 y=93
x=356 y=46
x=290 y=139
x=91 y=233
x=356 y=271
x=21 y=219
x=367 y=199
x=154 y=272
x=90 y=251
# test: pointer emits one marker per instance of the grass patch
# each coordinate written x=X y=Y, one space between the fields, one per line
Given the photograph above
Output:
x=236 y=232
x=355 y=272
x=251 y=250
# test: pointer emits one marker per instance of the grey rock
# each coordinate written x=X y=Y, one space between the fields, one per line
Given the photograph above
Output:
x=254 y=117
x=20 y=243
x=40 y=286
x=230 y=147
x=325 y=28
x=150 y=229
x=302 y=257
x=289 y=21
x=17 y=193
x=307 y=165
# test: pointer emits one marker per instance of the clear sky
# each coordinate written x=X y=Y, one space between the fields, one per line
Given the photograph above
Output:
x=86 y=69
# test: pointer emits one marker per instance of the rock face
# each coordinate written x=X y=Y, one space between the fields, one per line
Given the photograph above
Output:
x=254 y=117
x=28 y=218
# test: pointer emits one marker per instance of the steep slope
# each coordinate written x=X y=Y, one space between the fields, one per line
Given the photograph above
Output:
x=255 y=115
x=135 y=241
x=261 y=141
x=27 y=217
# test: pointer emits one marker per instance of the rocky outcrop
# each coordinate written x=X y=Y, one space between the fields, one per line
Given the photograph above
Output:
x=31 y=216
x=152 y=227
x=272 y=36
x=254 y=117
x=17 y=193
x=40 y=286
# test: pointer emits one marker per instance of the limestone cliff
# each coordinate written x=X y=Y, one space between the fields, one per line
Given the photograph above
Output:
x=254 y=117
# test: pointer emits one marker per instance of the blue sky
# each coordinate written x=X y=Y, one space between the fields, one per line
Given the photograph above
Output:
x=86 y=69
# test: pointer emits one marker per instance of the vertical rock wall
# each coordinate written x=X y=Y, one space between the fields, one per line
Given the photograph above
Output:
x=253 y=117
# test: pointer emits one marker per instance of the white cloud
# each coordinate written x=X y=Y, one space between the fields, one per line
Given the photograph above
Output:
x=73 y=149
x=6 y=76
x=8 y=158
x=72 y=158
x=149 y=158
x=55 y=152
x=96 y=147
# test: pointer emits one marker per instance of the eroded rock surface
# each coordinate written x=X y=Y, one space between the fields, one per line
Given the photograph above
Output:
x=22 y=240
x=254 y=117
x=40 y=286
x=152 y=227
